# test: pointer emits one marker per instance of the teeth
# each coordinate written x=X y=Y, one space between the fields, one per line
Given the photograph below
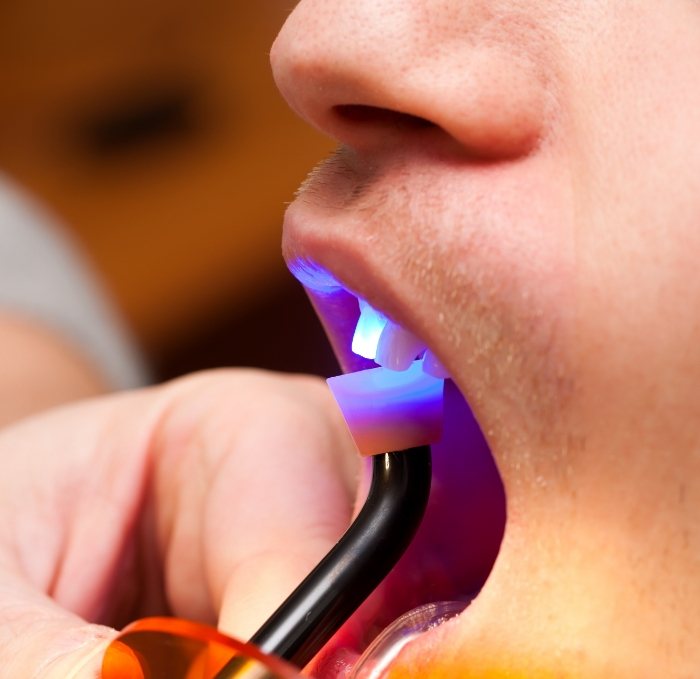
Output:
x=389 y=345
x=432 y=366
x=397 y=348
x=368 y=331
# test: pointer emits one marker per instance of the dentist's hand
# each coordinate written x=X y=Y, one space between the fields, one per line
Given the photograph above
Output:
x=209 y=498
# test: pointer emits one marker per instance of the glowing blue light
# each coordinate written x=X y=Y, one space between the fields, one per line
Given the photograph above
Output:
x=368 y=331
x=389 y=410
x=313 y=276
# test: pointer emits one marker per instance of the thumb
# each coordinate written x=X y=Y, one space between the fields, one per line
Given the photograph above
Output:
x=261 y=581
x=255 y=497
x=260 y=584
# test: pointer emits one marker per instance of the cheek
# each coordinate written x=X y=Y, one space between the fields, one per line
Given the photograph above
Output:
x=638 y=330
x=637 y=189
x=499 y=279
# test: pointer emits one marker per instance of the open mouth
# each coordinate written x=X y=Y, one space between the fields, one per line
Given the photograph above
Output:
x=456 y=546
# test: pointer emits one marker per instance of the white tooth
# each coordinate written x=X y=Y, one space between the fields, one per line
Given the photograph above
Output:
x=368 y=330
x=397 y=348
x=432 y=366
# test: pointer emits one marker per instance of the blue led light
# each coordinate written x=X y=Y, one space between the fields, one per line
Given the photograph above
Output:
x=390 y=410
x=368 y=331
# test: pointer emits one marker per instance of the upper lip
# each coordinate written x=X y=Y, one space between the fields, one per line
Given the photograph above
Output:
x=321 y=230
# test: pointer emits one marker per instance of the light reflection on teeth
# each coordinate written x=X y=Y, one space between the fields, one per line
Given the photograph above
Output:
x=390 y=345
x=432 y=366
x=368 y=331
x=397 y=348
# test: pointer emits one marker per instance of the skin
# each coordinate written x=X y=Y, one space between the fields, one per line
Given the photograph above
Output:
x=518 y=185
x=39 y=370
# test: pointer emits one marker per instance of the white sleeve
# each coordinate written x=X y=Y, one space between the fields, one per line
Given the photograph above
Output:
x=44 y=277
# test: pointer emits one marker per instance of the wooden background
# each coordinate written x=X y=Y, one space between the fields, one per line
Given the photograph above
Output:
x=153 y=129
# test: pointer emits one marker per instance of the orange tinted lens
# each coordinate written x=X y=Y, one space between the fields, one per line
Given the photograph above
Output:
x=167 y=648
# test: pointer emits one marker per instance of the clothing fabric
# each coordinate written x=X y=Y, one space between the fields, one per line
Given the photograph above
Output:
x=44 y=277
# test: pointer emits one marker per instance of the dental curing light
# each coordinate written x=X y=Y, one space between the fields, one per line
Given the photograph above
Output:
x=389 y=410
x=384 y=410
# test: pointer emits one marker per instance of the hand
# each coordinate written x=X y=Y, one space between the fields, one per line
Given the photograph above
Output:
x=209 y=498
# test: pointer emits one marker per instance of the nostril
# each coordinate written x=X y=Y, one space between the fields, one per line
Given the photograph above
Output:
x=380 y=117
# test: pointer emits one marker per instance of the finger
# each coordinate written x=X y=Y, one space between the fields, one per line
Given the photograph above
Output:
x=273 y=485
x=39 y=639
x=73 y=484
x=287 y=519
x=70 y=489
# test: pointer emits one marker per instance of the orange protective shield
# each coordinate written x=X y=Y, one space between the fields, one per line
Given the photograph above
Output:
x=168 y=648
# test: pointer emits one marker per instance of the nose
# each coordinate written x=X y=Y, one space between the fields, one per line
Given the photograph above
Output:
x=371 y=72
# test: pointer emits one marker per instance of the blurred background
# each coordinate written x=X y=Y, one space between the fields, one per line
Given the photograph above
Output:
x=155 y=133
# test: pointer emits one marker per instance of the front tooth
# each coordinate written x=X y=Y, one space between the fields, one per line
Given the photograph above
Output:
x=369 y=328
x=397 y=348
x=432 y=366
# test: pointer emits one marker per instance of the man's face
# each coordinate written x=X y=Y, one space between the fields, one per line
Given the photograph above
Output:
x=518 y=184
